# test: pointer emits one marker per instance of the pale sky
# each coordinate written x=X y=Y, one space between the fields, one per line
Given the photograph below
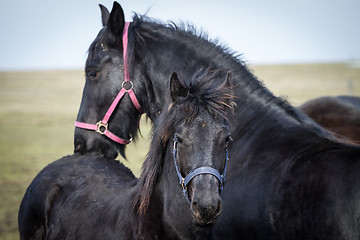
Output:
x=55 y=34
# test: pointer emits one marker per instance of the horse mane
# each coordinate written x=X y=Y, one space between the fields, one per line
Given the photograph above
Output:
x=144 y=28
x=204 y=94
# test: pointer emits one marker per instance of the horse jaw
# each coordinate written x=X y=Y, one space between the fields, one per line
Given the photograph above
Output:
x=88 y=142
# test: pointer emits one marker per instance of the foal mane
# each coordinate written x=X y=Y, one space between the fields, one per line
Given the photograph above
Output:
x=204 y=93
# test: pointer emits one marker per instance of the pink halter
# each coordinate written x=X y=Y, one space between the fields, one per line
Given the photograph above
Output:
x=102 y=126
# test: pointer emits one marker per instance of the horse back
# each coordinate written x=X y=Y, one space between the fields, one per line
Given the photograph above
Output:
x=340 y=115
x=58 y=182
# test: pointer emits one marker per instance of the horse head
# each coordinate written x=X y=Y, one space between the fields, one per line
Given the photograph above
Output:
x=191 y=135
x=109 y=112
x=200 y=143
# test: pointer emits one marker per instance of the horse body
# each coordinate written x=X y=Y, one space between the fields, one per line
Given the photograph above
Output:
x=281 y=193
x=341 y=115
x=319 y=206
x=79 y=197
x=286 y=172
x=93 y=197
x=86 y=197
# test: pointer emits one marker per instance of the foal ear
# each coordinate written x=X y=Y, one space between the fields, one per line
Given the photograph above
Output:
x=227 y=83
x=116 y=20
x=104 y=14
x=177 y=90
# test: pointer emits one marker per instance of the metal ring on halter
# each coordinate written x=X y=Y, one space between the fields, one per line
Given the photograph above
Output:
x=131 y=85
x=100 y=125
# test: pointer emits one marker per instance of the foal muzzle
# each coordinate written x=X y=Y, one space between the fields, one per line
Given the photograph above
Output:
x=185 y=181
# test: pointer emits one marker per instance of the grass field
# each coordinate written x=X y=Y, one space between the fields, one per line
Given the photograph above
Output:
x=37 y=111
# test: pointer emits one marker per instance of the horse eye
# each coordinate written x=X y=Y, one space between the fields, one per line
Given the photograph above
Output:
x=92 y=74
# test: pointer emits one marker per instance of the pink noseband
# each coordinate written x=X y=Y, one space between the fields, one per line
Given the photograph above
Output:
x=102 y=126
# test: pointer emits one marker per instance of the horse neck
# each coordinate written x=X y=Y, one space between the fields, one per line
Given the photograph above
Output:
x=273 y=134
x=163 y=50
x=171 y=50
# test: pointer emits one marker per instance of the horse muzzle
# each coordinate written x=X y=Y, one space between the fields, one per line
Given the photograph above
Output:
x=86 y=142
x=205 y=203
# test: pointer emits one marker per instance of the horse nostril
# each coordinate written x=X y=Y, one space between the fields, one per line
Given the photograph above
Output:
x=207 y=211
x=219 y=207
x=213 y=209
x=194 y=206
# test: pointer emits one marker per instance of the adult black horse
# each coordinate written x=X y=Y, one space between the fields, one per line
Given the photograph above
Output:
x=340 y=114
x=288 y=178
x=92 y=197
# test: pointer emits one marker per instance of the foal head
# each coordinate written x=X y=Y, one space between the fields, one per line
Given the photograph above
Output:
x=191 y=136
x=201 y=133
x=104 y=125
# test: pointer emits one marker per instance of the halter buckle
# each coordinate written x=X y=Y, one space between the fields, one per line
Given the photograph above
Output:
x=127 y=88
x=182 y=183
x=101 y=127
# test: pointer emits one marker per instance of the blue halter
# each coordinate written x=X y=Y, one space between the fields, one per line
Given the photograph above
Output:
x=184 y=181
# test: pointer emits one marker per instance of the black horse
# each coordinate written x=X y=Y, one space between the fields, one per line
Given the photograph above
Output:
x=340 y=114
x=288 y=177
x=154 y=51
x=92 y=197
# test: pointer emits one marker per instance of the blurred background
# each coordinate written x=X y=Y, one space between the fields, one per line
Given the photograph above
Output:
x=299 y=49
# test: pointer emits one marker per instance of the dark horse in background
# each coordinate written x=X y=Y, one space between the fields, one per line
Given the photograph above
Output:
x=93 y=197
x=340 y=115
x=288 y=178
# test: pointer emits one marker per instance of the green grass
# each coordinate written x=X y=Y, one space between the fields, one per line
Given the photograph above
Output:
x=37 y=111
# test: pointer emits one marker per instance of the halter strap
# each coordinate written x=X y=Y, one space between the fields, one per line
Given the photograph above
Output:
x=102 y=126
x=184 y=181
x=203 y=170
x=126 y=68
x=125 y=47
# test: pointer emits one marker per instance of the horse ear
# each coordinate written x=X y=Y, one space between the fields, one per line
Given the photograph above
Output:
x=116 y=20
x=104 y=14
x=177 y=90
